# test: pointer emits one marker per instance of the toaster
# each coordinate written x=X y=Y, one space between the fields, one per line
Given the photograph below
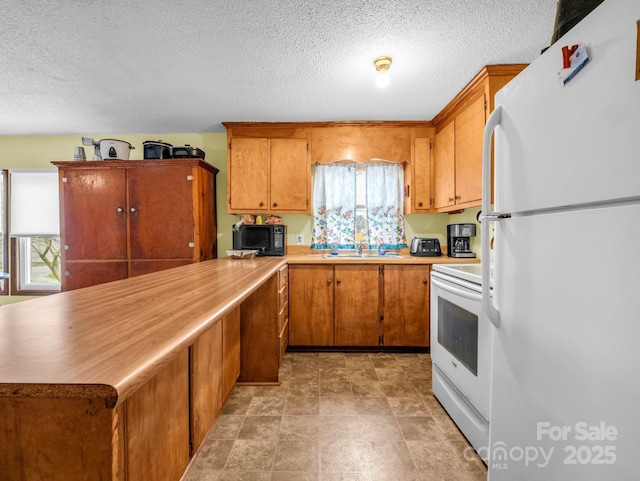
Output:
x=425 y=247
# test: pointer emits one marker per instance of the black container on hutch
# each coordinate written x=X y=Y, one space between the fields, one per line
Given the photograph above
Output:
x=459 y=240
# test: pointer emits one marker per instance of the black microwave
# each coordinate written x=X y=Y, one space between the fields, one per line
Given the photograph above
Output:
x=268 y=239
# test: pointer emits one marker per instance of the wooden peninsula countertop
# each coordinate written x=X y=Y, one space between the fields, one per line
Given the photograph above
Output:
x=106 y=341
x=123 y=380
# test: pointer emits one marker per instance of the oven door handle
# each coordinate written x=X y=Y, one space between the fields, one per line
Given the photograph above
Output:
x=474 y=296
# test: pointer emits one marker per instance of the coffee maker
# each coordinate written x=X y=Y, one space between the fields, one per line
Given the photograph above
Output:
x=459 y=240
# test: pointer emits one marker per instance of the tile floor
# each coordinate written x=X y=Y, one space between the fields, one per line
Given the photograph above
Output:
x=338 y=417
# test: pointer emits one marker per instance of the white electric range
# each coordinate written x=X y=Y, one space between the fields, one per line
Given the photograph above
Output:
x=461 y=342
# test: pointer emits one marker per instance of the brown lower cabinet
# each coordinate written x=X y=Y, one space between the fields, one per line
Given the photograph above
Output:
x=168 y=418
x=215 y=366
x=356 y=305
x=311 y=305
x=263 y=329
x=283 y=310
x=406 y=305
x=359 y=305
x=157 y=424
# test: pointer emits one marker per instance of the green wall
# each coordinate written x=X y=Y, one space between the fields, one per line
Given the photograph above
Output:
x=40 y=151
x=468 y=216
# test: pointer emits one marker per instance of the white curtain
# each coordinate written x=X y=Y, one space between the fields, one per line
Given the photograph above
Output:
x=385 y=204
x=334 y=205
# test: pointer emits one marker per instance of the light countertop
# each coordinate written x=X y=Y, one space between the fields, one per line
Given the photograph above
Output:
x=306 y=256
x=107 y=340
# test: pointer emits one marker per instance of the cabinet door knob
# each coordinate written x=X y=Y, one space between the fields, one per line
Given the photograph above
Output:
x=275 y=204
x=425 y=282
x=261 y=204
x=119 y=210
x=329 y=281
x=133 y=209
x=450 y=199
x=338 y=282
x=458 y=197
x=419 y=204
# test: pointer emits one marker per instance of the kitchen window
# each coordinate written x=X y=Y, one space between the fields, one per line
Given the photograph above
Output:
x=37 y=267
x=358 y=202
x=35 y=232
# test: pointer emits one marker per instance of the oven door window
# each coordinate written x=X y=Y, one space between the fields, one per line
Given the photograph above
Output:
x=458 y=333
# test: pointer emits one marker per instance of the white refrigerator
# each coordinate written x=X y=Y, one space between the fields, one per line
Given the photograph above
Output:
x=565 y=384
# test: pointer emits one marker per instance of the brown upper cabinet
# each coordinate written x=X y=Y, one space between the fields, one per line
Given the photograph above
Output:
x=268 y=169
x=458 y=140
x=120 y=219
x=403 y=142
x=419 y=174
x=363 y=142
x=269 y=164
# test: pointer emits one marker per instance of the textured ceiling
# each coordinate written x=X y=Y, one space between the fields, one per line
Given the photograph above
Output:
x=156 y=66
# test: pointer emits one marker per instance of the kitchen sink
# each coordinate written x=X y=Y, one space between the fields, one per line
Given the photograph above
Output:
x=362 y=256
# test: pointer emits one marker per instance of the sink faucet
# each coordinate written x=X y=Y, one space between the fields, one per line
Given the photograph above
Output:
x=358 y=243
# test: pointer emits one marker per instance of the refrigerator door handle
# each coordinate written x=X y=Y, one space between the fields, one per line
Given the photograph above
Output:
x=489 y=216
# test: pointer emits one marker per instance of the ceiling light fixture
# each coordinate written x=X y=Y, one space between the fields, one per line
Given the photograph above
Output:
x=382 y=65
